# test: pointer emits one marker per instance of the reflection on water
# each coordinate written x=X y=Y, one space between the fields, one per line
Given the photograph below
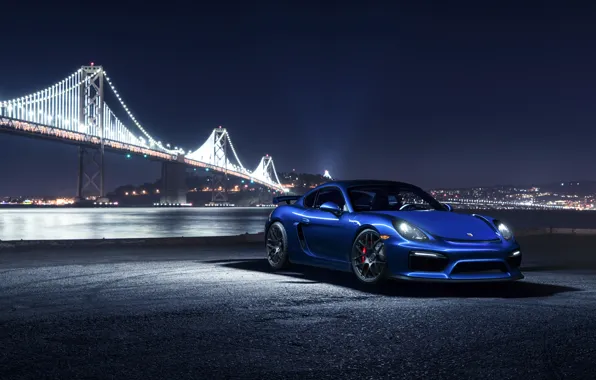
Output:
x=81 y=223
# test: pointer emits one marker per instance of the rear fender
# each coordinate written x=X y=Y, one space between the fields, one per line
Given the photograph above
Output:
x=284 y=214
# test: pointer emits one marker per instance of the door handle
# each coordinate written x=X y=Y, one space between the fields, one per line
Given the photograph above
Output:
x=305 y=221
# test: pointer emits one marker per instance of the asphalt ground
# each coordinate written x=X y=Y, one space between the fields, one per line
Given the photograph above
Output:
x=218 y=313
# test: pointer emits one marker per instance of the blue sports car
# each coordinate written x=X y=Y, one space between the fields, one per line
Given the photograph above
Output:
x=384 y=229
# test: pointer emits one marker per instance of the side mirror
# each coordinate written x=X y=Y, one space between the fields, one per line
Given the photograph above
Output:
x=330 y=207
x=448 y=207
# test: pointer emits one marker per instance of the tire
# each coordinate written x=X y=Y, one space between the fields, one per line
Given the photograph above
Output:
x=276 y=246
x=367 y=259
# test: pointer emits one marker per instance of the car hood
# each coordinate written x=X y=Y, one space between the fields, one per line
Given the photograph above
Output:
x=448 y=225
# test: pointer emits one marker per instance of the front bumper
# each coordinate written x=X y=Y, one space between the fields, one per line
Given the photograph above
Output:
x=447 y=262
x=472 y=279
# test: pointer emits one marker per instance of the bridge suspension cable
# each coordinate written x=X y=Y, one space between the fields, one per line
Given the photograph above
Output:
x=275 y=172
x=262 y=171
x=57 y=106
x=61 y=106
x=152 y=142
x=234 y=152
x=74 y=109
x=213 y=153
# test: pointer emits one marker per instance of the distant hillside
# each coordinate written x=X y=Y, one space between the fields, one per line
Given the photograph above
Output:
x=580 y=188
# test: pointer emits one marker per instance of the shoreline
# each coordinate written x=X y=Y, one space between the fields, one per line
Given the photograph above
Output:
x=177 y=241
x=201 y=241
x=113 y=206
x=203 y=205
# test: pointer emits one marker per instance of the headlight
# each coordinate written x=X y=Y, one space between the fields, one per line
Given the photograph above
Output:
x=504 y=230
x=409 y=232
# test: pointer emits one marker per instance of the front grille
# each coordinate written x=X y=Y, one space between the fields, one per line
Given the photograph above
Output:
x=479 y=267
x=514 y=261
x=427 y=264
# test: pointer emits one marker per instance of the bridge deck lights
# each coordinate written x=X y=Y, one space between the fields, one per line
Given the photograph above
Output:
x=55 y=112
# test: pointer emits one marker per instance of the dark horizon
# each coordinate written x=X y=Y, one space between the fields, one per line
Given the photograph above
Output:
x=425 y=93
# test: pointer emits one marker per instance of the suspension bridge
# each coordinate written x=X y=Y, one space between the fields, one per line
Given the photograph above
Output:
x=74 y=111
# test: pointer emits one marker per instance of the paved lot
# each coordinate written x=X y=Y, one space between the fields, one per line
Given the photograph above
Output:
x=220 y=313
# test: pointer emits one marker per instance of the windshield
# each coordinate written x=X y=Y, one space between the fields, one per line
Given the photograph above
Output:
x=392 y=198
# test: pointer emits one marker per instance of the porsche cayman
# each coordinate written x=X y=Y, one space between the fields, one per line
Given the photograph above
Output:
x=380 y=230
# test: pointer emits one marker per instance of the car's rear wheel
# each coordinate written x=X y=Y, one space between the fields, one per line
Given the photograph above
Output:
x=368 y=259
x=277 y=246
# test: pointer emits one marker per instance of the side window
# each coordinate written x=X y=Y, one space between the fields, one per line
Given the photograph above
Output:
x=309 y=201
x=392 y=200
x=412 y=198
x=361 y=200
x=331 y=195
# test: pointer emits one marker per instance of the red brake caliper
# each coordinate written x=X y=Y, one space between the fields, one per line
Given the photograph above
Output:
x=363 y=257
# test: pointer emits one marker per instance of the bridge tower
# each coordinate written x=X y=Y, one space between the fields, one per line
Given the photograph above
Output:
x=265 y=167
x=219 y=181
x=265 y=196
x=266 y=170
x=173 y=182
x=91 y=110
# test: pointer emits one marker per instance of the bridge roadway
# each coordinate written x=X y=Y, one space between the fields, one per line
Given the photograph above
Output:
x=218 y=312
x=35 y=130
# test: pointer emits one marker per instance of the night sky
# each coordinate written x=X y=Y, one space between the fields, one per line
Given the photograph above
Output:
x=474 y=93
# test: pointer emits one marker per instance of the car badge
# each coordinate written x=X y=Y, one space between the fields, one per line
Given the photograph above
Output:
x=470 y=234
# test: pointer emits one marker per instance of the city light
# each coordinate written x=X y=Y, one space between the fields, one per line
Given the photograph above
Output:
x=513 y=198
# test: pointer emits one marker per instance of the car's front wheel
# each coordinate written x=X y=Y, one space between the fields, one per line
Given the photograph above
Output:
x=277 y=246
x=369 y=262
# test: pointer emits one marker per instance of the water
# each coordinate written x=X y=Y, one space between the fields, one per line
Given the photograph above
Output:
x=81 y=223
x=90 y=223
